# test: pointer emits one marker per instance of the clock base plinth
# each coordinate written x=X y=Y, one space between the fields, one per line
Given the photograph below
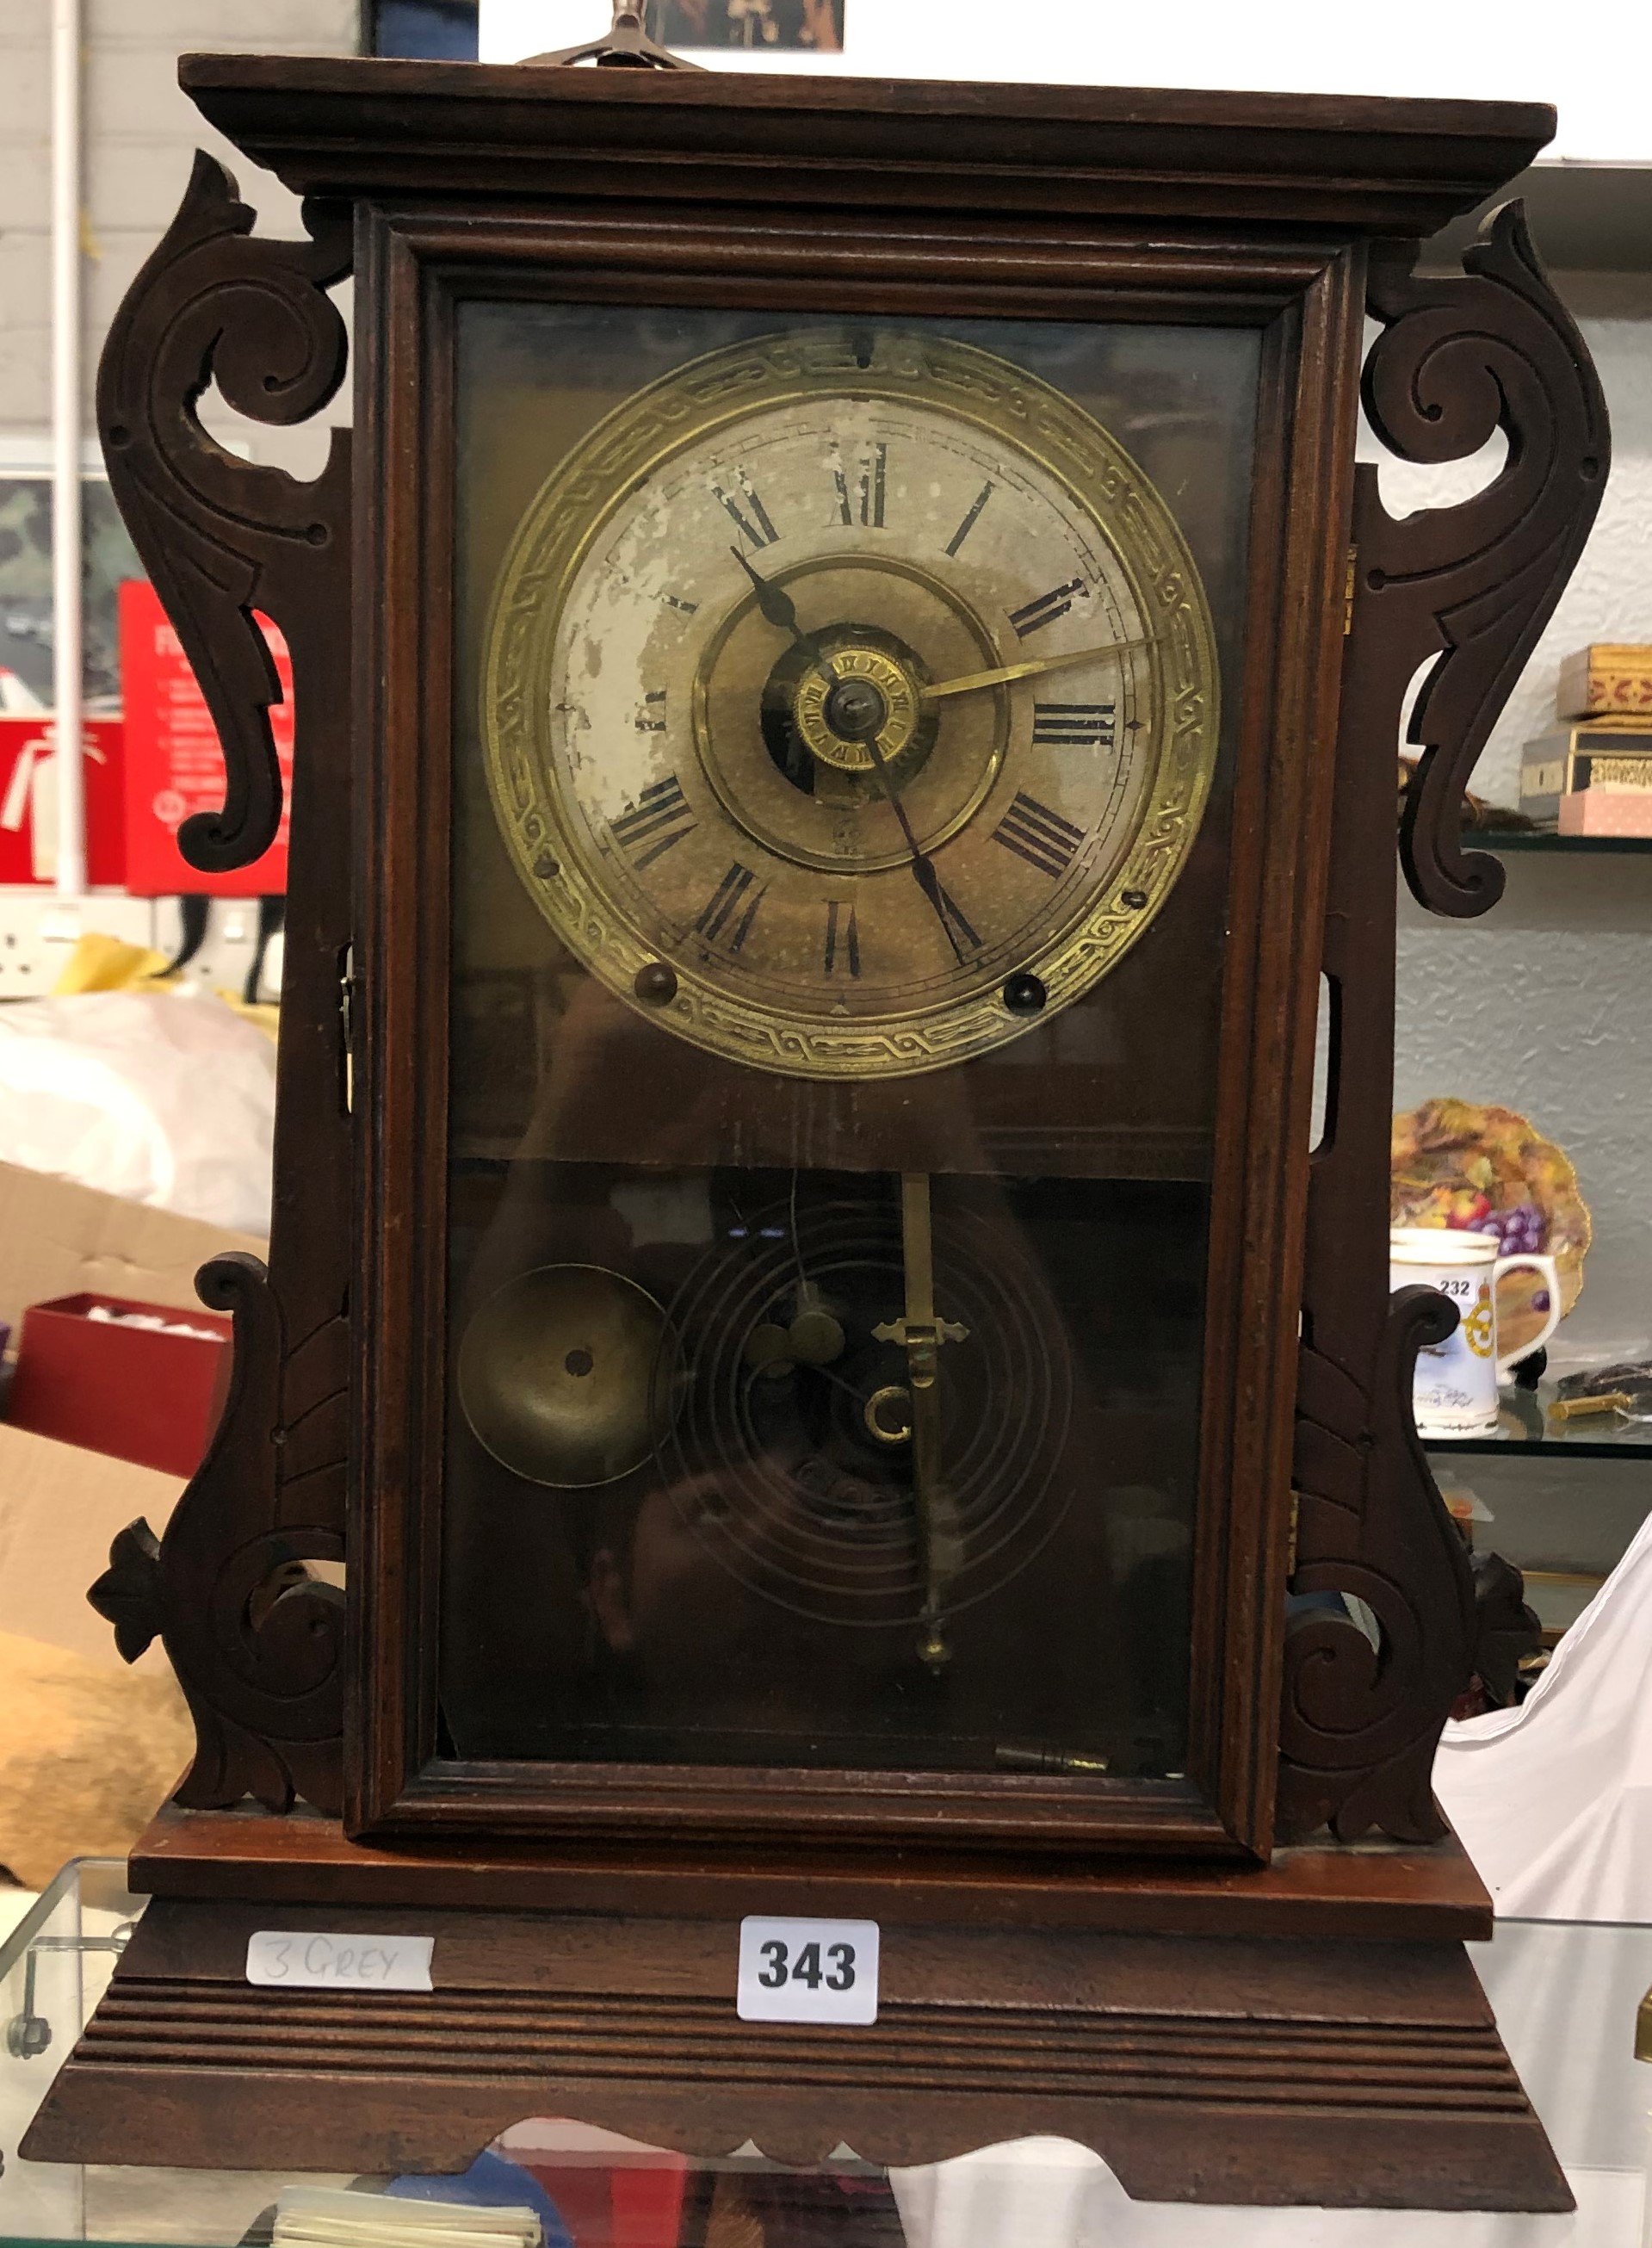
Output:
x=1220 y=2065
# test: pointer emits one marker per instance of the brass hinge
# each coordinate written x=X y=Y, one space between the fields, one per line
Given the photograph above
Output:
x=348 y=985
x=1348 y=592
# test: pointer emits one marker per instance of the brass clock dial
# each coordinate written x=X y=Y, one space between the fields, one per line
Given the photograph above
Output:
x=851 y=702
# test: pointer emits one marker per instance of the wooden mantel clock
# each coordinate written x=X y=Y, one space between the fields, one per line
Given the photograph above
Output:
x=847 y=685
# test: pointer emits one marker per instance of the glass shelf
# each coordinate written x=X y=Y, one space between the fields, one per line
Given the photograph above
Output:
x=1537 y=838
x=1524 y=1423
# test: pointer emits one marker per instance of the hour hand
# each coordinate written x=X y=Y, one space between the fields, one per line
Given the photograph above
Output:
x=777 y=607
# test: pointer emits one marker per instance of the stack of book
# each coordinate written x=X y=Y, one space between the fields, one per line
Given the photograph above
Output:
x=1593 y=775
x=323 y=2216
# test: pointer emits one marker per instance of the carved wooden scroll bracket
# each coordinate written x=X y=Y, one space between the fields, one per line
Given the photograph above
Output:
x=1472 y=585
x=254 y=1636
x=220 y=536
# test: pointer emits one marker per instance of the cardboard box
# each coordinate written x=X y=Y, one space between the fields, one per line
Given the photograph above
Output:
x=60 y=1239
x=1597 y=811
x=1607 y=678
x=1581 y=759
x=61 y=1509
x=89 y=1373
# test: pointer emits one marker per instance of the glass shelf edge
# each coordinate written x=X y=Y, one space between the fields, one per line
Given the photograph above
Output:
x=1576 y=1448
x=1498 y=840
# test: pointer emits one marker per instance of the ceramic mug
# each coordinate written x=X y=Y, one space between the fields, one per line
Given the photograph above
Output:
x=1455 y=1390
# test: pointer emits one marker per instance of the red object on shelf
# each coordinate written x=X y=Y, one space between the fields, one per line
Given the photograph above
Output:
x=134 y=1392
x=29 y=800
x=174 y=764
x=615 y=2202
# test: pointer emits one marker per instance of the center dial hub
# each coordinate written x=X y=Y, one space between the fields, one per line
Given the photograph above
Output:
x=869 y=698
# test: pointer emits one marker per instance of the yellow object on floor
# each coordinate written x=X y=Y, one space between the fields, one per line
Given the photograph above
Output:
x=107 y=963
x=264 y=1014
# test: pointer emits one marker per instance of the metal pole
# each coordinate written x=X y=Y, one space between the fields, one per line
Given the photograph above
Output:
x=65 y=447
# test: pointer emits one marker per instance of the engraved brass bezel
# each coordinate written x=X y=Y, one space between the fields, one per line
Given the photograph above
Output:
x=549 y=844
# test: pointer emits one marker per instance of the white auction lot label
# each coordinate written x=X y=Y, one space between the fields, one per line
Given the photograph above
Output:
x=305 y=1959
x=808 y=1970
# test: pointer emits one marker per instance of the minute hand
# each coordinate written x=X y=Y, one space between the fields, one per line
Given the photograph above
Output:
x=1001 y=678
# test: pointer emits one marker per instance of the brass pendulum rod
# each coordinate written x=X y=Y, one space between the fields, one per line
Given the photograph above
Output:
x=921 y=1333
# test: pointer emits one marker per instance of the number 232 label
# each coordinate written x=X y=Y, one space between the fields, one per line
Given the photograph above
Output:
x=808 y=1970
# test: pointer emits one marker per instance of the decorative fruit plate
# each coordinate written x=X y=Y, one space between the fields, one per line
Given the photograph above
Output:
x=1489 y=1170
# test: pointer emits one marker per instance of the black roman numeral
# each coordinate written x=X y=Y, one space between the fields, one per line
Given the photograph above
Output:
x=1047 y=607
x=676 y=601
x=660 y=818
x=731 y=908
x=869 y=494
x=970 y=520
x=842 y=938
x=761 y=532
x=651 y=719
x=1039 y=835
x=1074 y=725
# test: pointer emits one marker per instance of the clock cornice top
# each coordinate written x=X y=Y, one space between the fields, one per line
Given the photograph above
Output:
x=514 y=133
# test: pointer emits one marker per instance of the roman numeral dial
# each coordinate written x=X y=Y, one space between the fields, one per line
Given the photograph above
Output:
x=863 y=494
x=660 y=818
x=1074 y=725
x=830 y=689
x=842 y=938
x=1034 y=615
x=1043 y=837
x=745 y=509
x=728 y=914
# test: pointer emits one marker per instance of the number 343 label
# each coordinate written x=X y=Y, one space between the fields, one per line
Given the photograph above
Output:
x=808 y=1970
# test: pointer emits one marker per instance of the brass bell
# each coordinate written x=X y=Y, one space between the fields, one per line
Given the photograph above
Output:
x=557 y=1376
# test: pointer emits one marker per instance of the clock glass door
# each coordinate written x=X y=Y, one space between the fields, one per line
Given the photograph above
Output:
x=844 y=714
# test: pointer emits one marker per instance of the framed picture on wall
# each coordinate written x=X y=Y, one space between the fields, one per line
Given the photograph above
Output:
x=816 y=23
x=25 y=581
x=438 y=30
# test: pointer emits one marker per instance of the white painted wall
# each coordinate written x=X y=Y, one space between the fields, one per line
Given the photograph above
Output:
x=1546 y=1005
x=1592 y=60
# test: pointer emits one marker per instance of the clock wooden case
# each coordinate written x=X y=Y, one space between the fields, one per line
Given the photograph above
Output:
x=846 y=688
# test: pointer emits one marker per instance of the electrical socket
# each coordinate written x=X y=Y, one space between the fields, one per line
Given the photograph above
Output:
x=227 y=948
x=39 y=931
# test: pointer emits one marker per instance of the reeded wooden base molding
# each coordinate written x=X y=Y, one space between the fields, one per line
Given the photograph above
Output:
x=1202 y=2068
x=1376 y=1892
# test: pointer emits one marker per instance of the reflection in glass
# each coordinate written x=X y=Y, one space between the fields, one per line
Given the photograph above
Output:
x=825 y=1422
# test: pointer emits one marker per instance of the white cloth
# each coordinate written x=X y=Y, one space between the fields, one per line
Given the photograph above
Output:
x=156 y=1097
x=1553 y=1800
x=1048 y=2193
